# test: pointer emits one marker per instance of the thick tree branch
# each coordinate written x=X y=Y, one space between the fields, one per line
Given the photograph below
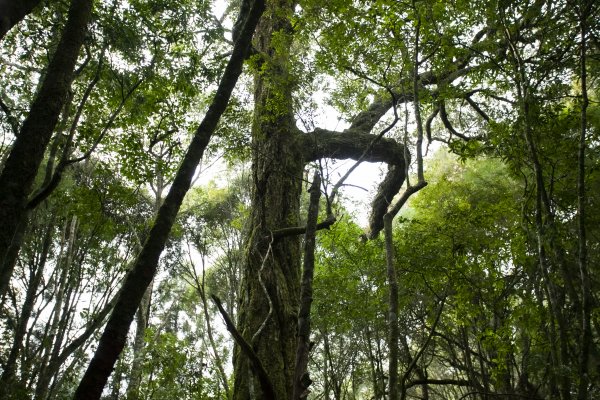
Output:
x=367 y=150
x=351 y=144
x=477 y=109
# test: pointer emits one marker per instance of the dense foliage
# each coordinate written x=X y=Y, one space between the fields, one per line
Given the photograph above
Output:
x=484 y=114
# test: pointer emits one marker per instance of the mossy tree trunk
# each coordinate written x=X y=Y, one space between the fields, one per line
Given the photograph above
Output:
x=27 y=152
x=268 y=314
x=270 y=288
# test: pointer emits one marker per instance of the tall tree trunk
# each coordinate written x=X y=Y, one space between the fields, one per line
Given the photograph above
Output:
x=13 y=11
x=143 y=271
x=26 y=155
x=268 y=311
x=270 y=287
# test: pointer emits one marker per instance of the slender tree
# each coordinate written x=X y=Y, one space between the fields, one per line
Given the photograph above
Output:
x=586 y=292
x=301 y=378
x=143 y=271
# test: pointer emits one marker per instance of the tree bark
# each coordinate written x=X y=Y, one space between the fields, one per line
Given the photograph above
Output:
x=26 y=155
x=270 y=289
x=114 y=336
x=267 y=316
x=393 y=331
x=13 y=11
x=301 y=379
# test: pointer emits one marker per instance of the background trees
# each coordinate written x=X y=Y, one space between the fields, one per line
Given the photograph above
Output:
x=496 y=258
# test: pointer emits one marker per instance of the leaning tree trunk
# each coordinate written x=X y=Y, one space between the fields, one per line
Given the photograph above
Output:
x=21 y=167
x=13 y=11
x=144 y=268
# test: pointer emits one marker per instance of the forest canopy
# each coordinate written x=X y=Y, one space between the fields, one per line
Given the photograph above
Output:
x=177 y=219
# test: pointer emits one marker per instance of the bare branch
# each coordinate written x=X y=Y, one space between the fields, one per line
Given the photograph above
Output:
x=263 y=377
x=300 y=230
x=478 y=109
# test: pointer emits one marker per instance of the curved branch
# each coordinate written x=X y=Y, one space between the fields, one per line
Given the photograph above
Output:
x=449 y=127
x=429 y=121
x=351 y=144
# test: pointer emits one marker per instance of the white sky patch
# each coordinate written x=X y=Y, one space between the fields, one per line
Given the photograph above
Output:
x=219 y=7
